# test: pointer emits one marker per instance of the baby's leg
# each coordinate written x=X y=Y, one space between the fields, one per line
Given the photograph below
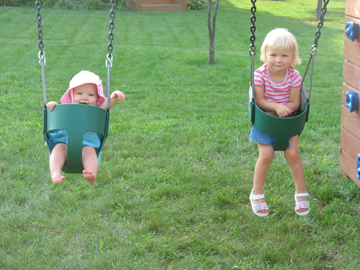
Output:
x=90 y=163
x=57 y=161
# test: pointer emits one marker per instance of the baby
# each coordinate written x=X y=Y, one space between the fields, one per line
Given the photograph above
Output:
x=84 y=88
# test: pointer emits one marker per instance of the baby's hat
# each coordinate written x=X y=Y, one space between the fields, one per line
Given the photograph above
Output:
x=81 y=78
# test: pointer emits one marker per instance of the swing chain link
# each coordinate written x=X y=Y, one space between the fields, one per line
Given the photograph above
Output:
x=320 y=25
x=41 y=54
x=111 y=34
x=252 y=49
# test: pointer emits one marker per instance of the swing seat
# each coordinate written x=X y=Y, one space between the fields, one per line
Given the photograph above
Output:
x=76 y=119
x=282 y=129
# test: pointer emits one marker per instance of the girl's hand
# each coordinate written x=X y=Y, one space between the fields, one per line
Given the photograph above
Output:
x=50 y=105
x=283 y=110
x=118 y=95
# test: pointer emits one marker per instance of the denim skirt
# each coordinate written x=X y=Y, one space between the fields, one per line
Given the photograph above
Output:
x=260 y=137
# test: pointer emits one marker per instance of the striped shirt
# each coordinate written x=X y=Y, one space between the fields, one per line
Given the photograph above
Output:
x=277 y=92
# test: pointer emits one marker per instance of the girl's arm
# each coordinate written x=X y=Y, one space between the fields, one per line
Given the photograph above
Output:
x=270 y=107
x=50 y=105
x=114 y=98
x=294 y=102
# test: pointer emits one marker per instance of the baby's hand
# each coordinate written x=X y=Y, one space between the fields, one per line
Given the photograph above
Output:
x=51 y=105
x=283 y=111
x=118 y=95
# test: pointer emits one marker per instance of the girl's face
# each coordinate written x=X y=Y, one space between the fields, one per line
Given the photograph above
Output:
x=86 y=94
x=278 y=59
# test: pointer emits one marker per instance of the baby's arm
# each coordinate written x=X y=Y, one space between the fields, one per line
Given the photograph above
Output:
x=50 y=105
x=114 y=98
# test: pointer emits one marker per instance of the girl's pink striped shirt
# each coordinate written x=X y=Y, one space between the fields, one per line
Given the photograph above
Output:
x=277 y=92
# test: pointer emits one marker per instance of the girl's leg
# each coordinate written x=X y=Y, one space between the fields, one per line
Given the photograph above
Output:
x=266 y=156
x=90 y=163
x=292 y=156
x=57 y=161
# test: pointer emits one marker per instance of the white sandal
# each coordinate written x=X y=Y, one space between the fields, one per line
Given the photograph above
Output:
x=302 y=205
x=256 y=207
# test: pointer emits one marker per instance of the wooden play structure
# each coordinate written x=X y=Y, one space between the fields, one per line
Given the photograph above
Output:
x=157 y=5
x=350 y=111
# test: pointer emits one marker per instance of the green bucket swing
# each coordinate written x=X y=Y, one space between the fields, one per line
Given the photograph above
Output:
x=76 y=119
x=282 y=129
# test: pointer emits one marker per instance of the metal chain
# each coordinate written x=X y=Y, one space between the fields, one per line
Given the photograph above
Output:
x=109 y=57
x=252 y=49
x=111 y=34
x=320 y=25
x=41 y=54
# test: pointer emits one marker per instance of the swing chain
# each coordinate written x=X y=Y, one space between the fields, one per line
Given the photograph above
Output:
x=111 y=34
x=41 y=54
x=252 y=49
x=320 y=25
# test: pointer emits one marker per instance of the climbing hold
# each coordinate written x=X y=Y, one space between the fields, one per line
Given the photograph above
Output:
x=352 y=100
x=352 y=30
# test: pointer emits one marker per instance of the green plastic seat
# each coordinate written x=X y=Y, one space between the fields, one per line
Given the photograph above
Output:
x=76 y=119
x=281 y=128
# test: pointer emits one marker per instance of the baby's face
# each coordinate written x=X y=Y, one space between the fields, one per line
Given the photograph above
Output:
x=86 y=94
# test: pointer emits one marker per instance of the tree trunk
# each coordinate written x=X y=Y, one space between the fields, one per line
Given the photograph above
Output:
x=211 y=27
x=318 y=9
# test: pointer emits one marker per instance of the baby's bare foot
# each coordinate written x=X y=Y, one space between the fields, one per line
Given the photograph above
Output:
x=57 y=178
x=90 y=176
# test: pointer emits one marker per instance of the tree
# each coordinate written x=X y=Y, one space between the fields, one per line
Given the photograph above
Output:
x=211 y=27
x=318 y=9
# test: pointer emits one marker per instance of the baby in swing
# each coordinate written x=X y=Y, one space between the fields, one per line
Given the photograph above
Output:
x=84 y=88
x=277 y=91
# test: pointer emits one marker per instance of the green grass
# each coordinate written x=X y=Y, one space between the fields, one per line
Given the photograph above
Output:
x=176 y=172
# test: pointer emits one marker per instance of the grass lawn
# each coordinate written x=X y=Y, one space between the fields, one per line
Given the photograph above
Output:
x=177 y=168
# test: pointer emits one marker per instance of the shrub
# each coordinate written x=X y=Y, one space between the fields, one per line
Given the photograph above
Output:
x=197 y=4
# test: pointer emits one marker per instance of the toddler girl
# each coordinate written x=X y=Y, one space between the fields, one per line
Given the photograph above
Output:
x=277 y=91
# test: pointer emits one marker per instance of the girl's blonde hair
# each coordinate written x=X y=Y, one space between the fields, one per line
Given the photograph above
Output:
x=281 y=37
